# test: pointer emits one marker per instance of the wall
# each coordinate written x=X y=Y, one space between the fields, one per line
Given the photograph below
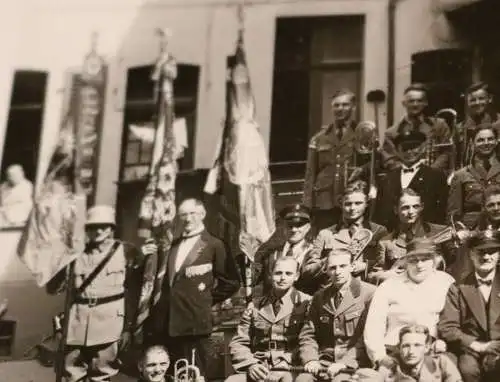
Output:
x=55 y=35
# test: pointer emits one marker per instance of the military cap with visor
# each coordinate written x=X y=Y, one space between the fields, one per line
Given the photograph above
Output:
x=296 y=213
x=485 y=240
x=409 y=138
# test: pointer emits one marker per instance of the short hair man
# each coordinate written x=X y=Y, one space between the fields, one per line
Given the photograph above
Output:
x=329 y=150
x=331 y=338
x=267 y=335
x=154 y=364
x=414 y=361
x=469 y=321
x=415 y=296
x=415 y=103
x=199 y=273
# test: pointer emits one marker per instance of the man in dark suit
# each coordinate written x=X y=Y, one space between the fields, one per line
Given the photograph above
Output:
x=428 y=182
x=332 y=336
x=469 y=322
x=435 y=129
x=330 y=150
x=199 y=273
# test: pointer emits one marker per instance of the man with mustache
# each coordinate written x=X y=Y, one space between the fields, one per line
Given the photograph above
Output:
x=332 y=337
x=469 y=322
x=267 y=335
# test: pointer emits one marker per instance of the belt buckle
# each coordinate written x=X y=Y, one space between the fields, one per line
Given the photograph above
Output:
x=92 y=302
x=273 y=345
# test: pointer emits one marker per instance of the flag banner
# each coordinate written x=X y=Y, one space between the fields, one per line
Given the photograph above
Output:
x=240 y=175
x=55 y=232
x=157 y=211
x=90 y=88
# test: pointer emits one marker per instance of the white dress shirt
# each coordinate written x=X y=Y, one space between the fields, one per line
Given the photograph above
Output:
x=399 y=301
x=408 y=173
x=483 y=288
x=185 y=246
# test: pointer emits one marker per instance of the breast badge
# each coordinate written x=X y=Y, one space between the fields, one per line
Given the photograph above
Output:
x=201 y=287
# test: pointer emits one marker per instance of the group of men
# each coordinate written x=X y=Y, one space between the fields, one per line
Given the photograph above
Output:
x=398 y=295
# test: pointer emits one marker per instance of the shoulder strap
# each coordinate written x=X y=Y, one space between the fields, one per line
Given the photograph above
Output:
x=97 y=269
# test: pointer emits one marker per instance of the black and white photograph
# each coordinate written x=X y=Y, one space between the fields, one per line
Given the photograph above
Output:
x=250 y=191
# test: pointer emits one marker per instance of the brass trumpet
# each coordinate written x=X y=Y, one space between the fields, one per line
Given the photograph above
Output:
x=187 y=372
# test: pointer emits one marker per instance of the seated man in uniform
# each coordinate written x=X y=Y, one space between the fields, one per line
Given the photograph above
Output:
x=297 y=219
x=414 y=363
x=469 y=321
x=154 y=364
x=415 y=296
x=267 y=335
x=332 y=337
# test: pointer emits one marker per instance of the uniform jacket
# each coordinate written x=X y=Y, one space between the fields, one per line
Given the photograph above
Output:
x=103 y=323
x=324 y=178
x=466 y=191
x=467 y=127
x=428 y=182
x=263 y=270
x=324 y=243
x=339 y=329
x=393 y=246
x=437 y=368
x=434 y=128
x=465 y=317
x=185 y=306
x=262 y=336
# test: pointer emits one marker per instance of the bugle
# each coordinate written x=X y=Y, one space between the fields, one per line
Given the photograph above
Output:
x=187 y=372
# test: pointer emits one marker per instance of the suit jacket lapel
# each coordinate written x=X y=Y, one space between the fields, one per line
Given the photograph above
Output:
x=475 y=300
x=267 y=312
x=494 y=170
x=428 y=370
x=190 y=257
x=494 y=305
x=287 y=307
x=350 y=297
x=172 y=256
x=418 y=178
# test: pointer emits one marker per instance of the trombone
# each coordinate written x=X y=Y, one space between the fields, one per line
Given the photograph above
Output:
x=433 y=149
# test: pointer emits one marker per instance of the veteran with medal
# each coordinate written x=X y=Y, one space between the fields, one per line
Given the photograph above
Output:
x=199 y=274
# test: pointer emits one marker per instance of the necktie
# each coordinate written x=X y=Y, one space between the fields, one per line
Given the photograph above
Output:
x=340 y=132
x=277 y=306
x=484 y=282
x=486 y=164
x=289 y=253
x=337 y=299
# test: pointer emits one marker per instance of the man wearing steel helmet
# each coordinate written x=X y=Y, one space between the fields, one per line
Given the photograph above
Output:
x=97 y=324
x=469 y=322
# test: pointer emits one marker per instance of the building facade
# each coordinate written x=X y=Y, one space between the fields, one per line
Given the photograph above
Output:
x=298 y=51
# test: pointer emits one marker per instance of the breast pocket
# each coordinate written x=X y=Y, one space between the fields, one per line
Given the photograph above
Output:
x=351 y=320
x=325 y=155
x=113 y=275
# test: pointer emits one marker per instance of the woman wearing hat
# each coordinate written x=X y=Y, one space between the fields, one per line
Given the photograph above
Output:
x=465 y=200
x=415 y=296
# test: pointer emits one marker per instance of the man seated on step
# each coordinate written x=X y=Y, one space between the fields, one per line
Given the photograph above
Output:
x=414 y=361
x=267 y=335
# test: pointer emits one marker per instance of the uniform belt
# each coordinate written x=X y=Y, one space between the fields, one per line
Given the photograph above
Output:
x=93 y=301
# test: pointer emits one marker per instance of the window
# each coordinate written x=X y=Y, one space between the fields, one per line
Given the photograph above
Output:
x=314 y=57
x=139 y=110
x=24 y=125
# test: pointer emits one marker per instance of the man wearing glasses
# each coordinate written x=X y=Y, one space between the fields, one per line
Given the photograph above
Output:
x=297 y=245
